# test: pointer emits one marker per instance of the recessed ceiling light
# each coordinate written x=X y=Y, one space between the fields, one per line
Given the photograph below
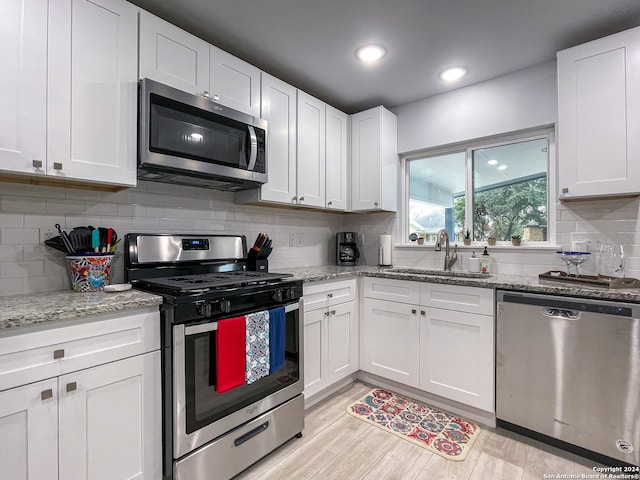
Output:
x=502 y=167
x=370 y=53
x=492 y=161
x=453 y=74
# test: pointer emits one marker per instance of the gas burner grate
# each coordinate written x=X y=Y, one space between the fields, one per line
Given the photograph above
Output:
x=212 y=281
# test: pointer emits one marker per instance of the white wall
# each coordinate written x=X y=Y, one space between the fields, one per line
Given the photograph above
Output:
x=518 y=101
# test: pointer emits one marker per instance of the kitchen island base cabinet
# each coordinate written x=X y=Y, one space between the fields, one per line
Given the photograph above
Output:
x=330 y=335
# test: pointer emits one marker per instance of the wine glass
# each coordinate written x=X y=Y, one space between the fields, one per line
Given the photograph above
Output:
x=573 y=258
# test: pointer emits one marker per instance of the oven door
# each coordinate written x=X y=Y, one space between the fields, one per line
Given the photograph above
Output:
x=200 y=413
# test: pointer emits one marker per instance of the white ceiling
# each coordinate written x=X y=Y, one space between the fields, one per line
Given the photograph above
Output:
x=311 y=43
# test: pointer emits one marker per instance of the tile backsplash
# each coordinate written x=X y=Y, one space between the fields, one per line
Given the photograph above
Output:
x=28 y=211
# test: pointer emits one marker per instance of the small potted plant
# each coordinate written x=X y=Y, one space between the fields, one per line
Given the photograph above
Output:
x=491 y=240
x=516 y=240
x=467 y=237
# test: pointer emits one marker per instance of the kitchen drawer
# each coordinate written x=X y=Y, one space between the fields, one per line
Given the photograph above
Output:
x=326 y=294
x=403 y=291
x=40 y=354
x=455 y=297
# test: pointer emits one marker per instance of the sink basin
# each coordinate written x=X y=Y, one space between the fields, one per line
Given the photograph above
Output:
x=437 y=273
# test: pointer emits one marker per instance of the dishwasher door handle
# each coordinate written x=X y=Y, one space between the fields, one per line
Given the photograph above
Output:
x=561 y=313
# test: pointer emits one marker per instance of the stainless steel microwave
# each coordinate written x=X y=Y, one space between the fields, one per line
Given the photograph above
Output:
x=191 y=140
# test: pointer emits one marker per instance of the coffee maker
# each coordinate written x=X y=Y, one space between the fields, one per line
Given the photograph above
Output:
x=347 y=252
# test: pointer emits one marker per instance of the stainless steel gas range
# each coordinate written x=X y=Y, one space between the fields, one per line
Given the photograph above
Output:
x=224 y=406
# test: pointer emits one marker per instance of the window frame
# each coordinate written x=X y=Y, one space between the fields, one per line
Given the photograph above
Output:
x=468 y=147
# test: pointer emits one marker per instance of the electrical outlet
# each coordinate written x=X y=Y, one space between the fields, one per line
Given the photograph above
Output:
x=292 y=239
x=46 y=234
x=587 y=241
x=299 y=240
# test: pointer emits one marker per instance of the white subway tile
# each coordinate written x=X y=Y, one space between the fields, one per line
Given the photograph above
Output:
x=23 y=204
x=12 y=220
x=22 y=269
x=19 y=236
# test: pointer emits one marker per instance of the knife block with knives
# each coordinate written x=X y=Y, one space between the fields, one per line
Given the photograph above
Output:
x=257 y=255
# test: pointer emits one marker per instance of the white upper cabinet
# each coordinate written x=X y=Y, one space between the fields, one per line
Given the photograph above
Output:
x=92 y=91
x=374 y=160
x=23 y=81
x=337 y=160
x=311 y=150
x=171 y=56
x=279 y=110
x=599 y=117
x=234 y=82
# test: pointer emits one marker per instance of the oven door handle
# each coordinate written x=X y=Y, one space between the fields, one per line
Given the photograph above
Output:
x=212 y=326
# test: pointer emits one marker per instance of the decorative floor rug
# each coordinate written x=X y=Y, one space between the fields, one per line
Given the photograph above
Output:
x=442 y=433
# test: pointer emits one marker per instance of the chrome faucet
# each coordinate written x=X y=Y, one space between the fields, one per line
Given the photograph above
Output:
x=449 y=260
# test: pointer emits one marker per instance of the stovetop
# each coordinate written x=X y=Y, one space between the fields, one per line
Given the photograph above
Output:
x=210 y=282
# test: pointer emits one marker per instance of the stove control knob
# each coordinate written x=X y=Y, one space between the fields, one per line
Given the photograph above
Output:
x=225 y=306
x=204 y=309
x=292 y=293
x=277 y=296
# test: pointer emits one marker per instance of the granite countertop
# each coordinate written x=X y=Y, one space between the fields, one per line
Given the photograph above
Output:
x=524 y=283
x=39 y=308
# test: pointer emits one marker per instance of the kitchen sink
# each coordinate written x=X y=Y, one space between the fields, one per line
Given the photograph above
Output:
x=436 y=273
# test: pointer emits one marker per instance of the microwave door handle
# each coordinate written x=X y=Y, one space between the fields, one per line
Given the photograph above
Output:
x=253 y=148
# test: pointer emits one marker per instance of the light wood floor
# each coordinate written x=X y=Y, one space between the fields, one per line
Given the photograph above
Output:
x=336 y=445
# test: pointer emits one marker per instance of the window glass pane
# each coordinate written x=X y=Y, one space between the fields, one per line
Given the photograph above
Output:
x=434 y=185
x=510 y=191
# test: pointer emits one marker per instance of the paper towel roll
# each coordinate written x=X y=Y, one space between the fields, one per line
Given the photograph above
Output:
x=384 y=251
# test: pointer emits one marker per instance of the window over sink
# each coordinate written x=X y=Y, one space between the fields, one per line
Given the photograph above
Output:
x=499 y=187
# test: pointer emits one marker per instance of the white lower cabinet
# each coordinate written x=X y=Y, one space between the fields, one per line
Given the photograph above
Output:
x=391 y=341
x=98 y=423
x=444 y=351
x=29 y=432
x=456 y=356
x=330 y=335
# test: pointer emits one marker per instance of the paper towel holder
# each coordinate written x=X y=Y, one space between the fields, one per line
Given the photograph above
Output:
x=381 y=253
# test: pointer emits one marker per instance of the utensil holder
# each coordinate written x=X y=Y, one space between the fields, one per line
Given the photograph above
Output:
x=90 y=273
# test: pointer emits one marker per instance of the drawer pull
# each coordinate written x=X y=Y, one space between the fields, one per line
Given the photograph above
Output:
x=413 y=310
x=46 y=394
x=58 y=354
x=71 y=386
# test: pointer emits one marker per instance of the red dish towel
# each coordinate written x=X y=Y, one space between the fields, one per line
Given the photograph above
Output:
x=230 y=353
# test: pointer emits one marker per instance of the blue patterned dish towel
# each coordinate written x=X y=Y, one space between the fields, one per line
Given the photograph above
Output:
x=257 y=346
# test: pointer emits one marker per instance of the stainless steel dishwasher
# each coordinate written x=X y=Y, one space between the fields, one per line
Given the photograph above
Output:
x=569 y=369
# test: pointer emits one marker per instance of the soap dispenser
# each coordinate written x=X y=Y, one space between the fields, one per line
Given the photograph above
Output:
x=484 y=262
x=474 y=263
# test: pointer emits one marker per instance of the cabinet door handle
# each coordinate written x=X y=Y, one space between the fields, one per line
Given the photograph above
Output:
x=71 y=386
x=58 y=354
x=326 y=314
x=413 y=310
x=46 y=394
x=57 y=166
x=333 y=312
x=329 y=295
x=294 y=199
x=302 y=199
x=422 y=312
x=329 y=204
x=375 y=204
x=205 y=94
x=215 y=98
x=37 y=163
x=565 y=190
